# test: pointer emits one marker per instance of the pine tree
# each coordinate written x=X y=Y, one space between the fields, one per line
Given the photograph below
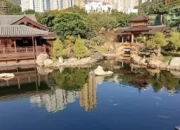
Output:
x=79 y=49
x=57 y=49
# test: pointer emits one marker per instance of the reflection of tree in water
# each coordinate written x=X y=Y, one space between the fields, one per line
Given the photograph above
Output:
x=71 y=79
x=67 y=86
x=164 y=79
x=140 y=78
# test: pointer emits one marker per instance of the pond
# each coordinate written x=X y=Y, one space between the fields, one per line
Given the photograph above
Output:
x=68 y=99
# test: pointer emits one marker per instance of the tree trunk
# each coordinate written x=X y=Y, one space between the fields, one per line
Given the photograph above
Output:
x=161 y=16
x=159 y=52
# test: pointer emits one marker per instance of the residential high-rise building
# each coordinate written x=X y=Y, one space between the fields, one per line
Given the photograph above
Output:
x=27 y=4
x=38 y=5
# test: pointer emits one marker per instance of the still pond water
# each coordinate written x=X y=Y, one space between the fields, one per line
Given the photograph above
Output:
x=68 y=99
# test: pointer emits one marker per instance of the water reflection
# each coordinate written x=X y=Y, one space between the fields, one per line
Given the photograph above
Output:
x=54 y=101
x=55 y=90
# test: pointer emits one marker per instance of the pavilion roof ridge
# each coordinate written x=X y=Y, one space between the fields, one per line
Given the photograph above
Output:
x=139 y=17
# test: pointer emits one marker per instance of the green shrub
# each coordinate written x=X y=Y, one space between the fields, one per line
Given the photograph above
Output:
x=80 y=50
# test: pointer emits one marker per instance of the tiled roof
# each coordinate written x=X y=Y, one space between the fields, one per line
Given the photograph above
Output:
x=20 y=31
x=9 y=19
x=160 y=28
x=139 y=17
x=137 y=28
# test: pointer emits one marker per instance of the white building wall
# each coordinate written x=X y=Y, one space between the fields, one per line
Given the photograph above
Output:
x=26 y=5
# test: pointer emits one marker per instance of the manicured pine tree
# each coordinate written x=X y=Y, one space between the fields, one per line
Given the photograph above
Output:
x=57 y=50
x=80 y=50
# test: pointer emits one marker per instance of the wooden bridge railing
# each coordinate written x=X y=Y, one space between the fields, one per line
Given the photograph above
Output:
x=19 y=52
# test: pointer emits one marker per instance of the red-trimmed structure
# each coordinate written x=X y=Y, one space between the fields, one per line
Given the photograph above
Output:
x=139 y=26
x=22 y=38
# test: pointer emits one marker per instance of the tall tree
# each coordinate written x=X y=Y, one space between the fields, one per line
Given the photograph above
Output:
x=70 y=24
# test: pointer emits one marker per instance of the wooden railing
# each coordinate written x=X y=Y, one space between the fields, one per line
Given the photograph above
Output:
x=18 y=53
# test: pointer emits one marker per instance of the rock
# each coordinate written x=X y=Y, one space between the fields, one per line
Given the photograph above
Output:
x=153 y=56
x=99 y=71
x=143 y=61
x=72 y=60
x=99 y=79
x=175 y=62
x=154 y=63
x=7 y=76
x=175 y=73
x=48 y=63
x=85 y=60
x=61 y=60
x=44 y=71
x=164 y=65
x=136 y=59
x=41 y=58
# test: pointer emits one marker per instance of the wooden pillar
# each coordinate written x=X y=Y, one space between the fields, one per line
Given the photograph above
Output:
x=34 y=52
x=15 y=48
x=122 y=39
x=132 y=38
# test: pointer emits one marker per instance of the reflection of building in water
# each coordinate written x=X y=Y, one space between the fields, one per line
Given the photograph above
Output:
x=88 y=94
x=56 y=101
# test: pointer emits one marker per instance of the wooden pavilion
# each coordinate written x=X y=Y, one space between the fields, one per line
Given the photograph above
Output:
x=22 y=38
x=139 y=26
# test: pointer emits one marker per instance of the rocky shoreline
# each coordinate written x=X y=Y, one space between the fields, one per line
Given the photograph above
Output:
x=155 y=63
x=43 y=60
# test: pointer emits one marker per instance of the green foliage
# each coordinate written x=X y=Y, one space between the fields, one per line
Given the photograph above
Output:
x=69 y=44
x=171 y=53
x=157 y=41
x=57 y=50
x=166 y=58
x=76 y=9
x=29 y=11
x=97 y=21
x=13 y=9
x=80 y=50
x=67 y=24
x=98 y=40
x=122 y=19
x=174 y=40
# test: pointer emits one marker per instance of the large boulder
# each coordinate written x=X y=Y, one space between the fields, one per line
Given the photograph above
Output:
x=175 y=62
x=48 y=63
x=136 y=59
x=41 y=58
x=154 y=63
x=71 y=60
x=44 y=71
x=99 y=71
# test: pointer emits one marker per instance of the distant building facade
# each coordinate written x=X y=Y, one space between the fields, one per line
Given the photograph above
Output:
x=44 y=5
x=98 y=6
